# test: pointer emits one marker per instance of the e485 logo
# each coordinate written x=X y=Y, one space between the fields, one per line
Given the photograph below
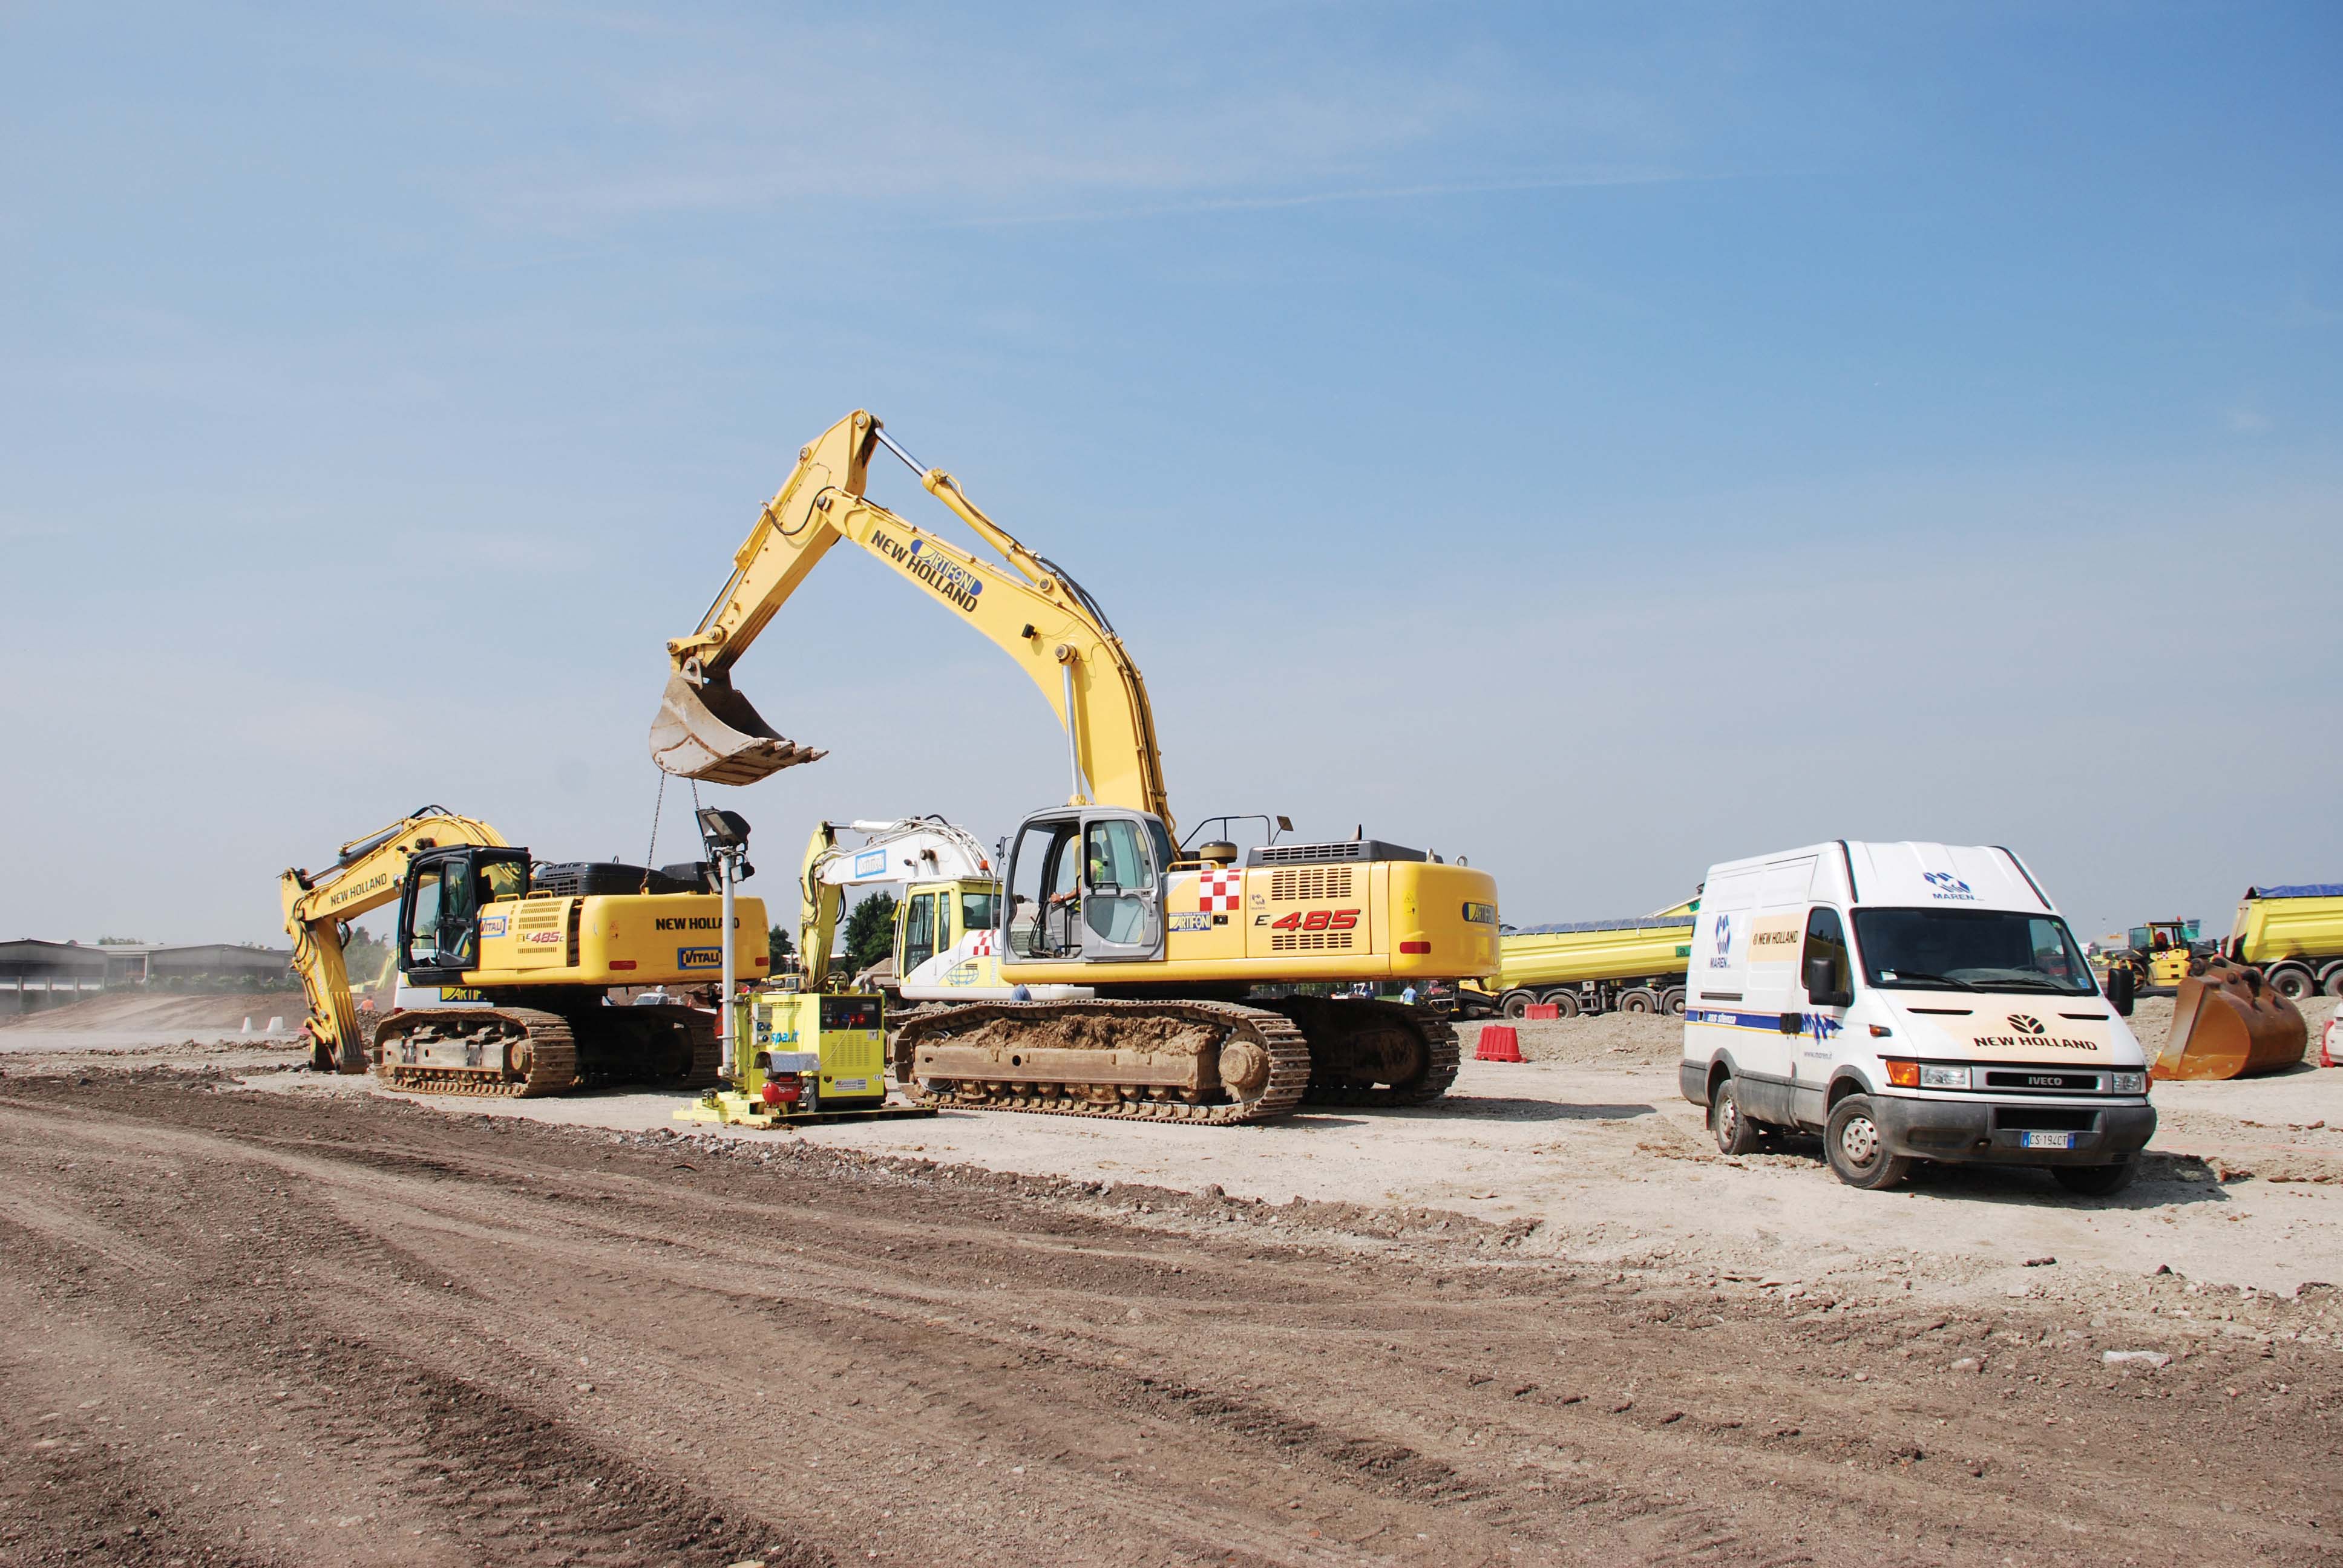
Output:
x=1315 y=920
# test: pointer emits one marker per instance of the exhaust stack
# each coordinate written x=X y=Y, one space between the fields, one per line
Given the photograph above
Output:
x=709 y=732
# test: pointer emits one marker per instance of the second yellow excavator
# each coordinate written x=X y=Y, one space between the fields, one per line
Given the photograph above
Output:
x=520 y=958
x=1197 y=965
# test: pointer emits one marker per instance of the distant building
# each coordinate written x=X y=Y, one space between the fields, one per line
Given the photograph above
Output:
x=37 y=974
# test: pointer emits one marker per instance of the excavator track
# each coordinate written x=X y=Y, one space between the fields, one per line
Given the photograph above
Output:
x=1284 y=1060
x=1332 y=1026
x=512 y=1052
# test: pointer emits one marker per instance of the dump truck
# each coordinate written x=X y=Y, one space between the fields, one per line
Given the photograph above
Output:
x=2295 y=934
x=1589 y=967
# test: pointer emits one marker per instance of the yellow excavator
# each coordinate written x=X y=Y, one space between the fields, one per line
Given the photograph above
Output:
x=519 y=958
x=1214 y=986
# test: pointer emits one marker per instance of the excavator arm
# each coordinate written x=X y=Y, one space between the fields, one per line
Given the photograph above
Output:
x=913 y=849
x=1030 y=608
x=369 y=874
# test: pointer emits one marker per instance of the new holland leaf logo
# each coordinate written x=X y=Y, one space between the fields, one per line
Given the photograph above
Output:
x=2024 y=1024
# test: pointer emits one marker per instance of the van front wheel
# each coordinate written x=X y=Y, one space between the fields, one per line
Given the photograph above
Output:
x=1858 y=1155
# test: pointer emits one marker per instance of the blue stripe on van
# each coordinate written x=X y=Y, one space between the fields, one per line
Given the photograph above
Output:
x=1815 y=1023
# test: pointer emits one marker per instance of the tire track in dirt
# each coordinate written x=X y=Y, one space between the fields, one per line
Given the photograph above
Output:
x=932 y=1365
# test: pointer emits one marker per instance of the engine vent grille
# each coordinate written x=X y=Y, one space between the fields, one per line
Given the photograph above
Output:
x=1309 y=941
x=1350 y=851
x=1309 y=885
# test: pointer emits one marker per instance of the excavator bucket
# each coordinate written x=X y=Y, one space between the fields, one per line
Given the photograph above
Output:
x=2226 y=1023
x=710 y=732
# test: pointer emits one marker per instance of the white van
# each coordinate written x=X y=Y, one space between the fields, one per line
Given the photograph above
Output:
x=1908 y=1001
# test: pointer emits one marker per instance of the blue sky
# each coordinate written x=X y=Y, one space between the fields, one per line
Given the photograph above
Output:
x=1599 y=441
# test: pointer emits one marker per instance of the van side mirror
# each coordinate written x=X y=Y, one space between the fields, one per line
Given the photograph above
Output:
x=2122 y=988
x=1822 y=983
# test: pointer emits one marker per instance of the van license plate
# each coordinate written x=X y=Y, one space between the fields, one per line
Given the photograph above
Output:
x=2050 y=1141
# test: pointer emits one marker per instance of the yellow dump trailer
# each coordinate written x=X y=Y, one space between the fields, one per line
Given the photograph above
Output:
x=2295 y=935
x=1591 y=966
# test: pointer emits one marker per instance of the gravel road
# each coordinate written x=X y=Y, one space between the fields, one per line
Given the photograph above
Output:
x=261 y=1328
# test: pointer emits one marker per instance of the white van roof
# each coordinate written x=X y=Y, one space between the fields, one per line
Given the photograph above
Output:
x=1908 y=875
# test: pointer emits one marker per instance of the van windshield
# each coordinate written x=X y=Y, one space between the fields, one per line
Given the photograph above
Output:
x=1970 y=950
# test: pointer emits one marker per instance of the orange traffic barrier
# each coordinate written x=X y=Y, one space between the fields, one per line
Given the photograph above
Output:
x=1542 y=1009
x=2227 y=1023
x=1499 y=1042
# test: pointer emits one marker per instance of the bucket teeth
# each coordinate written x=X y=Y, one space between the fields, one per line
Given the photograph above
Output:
x=710 y=732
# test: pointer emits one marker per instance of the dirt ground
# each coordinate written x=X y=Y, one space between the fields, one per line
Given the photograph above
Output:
x=264 y=1316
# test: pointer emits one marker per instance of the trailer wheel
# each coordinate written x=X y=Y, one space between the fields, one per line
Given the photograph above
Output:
x=1515 y=1004
x=1852 y=1144
x=2330 y=979
x=1671 y=1001
x=1565 y=1003
x=1638 y=1000
x=2291 y=981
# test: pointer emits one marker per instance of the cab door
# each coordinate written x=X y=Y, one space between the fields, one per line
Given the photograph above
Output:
x=1826 y=980
x=439 y=919
x=1122 y=867
x=918 y=935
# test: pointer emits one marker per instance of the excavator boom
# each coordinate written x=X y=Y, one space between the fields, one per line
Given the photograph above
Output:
x=1030 y=608
x=367 y=875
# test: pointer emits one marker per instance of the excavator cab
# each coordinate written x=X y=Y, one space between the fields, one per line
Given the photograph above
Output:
x=1087 y=883
x=439 y=910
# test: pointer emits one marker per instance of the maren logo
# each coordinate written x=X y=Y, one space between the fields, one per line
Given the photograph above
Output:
x=2024 y=1024
x=1947 y=886
x=1724 y=959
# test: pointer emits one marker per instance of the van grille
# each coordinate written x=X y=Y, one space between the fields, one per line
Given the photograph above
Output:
x=1311 y=884
x=2049 y=1082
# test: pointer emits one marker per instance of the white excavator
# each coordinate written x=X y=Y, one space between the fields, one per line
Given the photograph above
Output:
x=947 y=946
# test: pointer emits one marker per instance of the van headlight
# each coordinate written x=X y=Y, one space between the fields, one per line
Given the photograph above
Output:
x=1944 y=1077
x=2126 y=1083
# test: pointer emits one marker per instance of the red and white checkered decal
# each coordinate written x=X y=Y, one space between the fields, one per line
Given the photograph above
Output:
x=979 y=943
x=1220 y=891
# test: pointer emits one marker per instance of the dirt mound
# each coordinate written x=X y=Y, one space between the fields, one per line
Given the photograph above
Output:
x=1091 y=1031
x=142 y=1011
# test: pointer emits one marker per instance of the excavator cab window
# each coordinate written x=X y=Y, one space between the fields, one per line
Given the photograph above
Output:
x=439 y=914
x=979 y=911
x=919 y=934
x=419 y=924
x=1045 y=889
x=1121 y=877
